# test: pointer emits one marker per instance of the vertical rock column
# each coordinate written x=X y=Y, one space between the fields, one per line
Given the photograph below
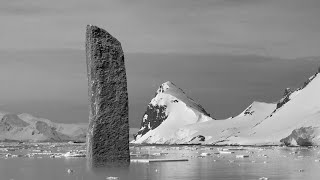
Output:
x=108 y=132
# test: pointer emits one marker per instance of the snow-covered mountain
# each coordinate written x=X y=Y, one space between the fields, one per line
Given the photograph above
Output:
x=293 y=120
x=25 y=127
x=169 y=110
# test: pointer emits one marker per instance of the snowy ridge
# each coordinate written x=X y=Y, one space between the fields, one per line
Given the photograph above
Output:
x=301 y=111
x=170 y=109
x=219 y=132
x=293 y=120
x=171 y=89
x=256 y=108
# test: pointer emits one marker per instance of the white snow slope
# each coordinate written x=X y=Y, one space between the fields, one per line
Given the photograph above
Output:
x=260 y=124
x=301 y=111
x=178 y=110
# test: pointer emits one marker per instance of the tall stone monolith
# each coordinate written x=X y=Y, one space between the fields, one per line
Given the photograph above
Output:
x=108 y=132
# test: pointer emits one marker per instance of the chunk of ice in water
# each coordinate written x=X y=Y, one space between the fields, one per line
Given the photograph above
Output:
x=112 y=178
x=70 y=171
x=263 y=178
x=242 y=156
x=205 y=154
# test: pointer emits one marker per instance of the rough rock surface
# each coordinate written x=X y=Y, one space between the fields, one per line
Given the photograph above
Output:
x=108 y=132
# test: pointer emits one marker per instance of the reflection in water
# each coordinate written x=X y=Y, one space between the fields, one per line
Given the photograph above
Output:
x=120 y=170
x=98 y=165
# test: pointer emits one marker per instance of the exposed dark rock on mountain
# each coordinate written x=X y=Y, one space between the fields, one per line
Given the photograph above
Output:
x=285 y=99
x=287 y=91
x=108 y=132
x=152 y=118
x=199 y=138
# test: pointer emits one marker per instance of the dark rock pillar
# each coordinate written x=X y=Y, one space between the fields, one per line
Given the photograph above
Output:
x=108 y=132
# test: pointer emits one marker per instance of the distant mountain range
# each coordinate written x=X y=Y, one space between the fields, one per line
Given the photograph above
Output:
x=25 y=127
x=174 y=118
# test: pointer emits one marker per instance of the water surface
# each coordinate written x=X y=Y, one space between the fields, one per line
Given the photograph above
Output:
x=46 y=163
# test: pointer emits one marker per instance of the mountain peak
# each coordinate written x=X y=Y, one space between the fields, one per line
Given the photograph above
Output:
x=164 y=87
x=168 y=83
x=256 y=106
x=170 y=109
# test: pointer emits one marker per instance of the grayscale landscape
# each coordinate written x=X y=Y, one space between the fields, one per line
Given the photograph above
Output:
x=183 y=89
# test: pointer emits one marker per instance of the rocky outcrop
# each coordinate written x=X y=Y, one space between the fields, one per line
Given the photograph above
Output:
x=199 y=138
x=152 y=118
x=108 y=132
x=285 y=99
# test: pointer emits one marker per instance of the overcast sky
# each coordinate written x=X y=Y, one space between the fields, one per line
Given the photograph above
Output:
x=42 y=62
x=286 y=28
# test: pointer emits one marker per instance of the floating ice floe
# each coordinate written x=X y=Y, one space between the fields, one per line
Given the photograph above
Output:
x=8 y=155
x=112 y=178
x=156 y=160
x=226 y=152
x=263 y=178
x=72 y=154
x=233 y=149
x=205 y=154
x=242 y=156
x=159 y=154
x=70 y=171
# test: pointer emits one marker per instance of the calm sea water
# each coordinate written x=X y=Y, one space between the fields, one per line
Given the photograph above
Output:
x=269 y=162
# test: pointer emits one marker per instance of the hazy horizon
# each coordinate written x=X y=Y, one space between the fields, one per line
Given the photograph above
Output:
x=53 y=84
